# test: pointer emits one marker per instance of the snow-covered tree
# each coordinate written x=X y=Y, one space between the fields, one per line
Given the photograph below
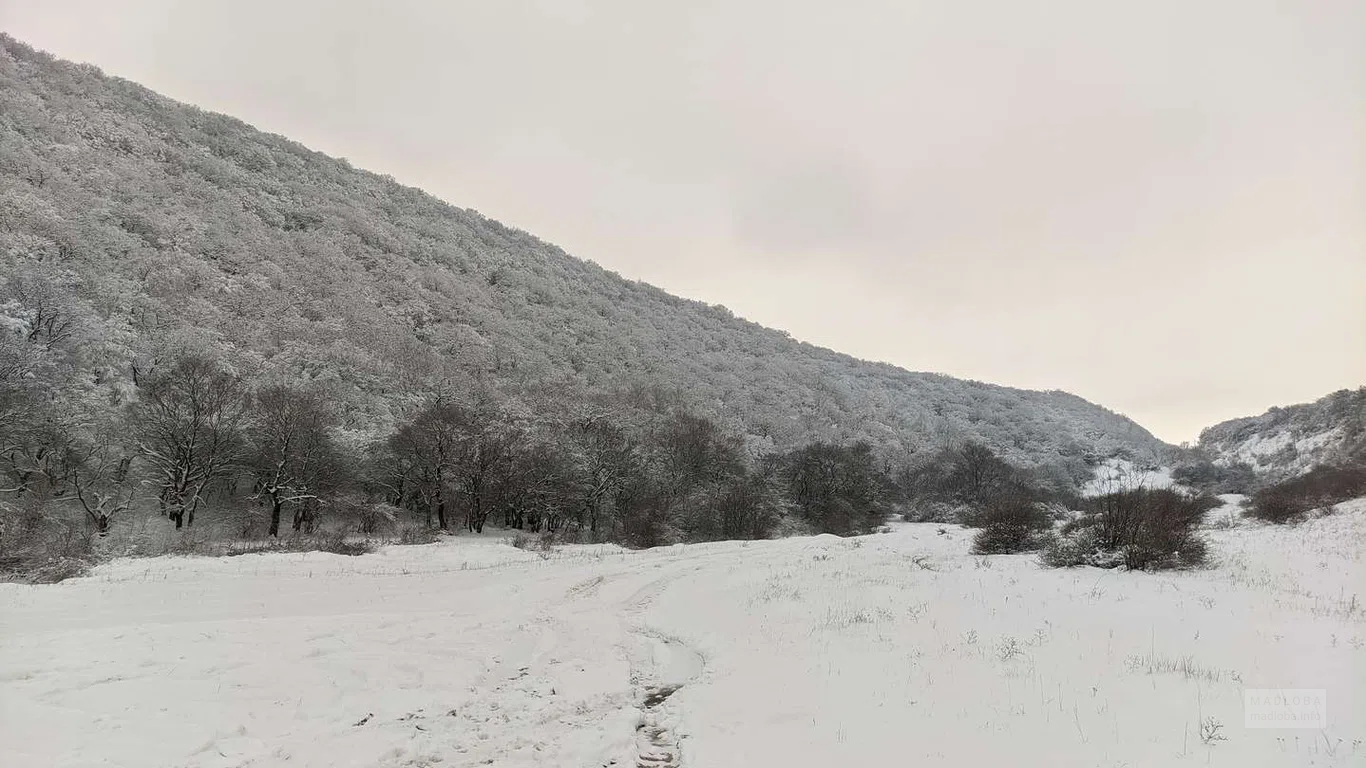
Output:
x=293 y=457
x=192 y=418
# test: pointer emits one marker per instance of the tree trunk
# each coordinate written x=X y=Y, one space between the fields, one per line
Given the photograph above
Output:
x=304 y=515
x=440 y=489
x=275 y=505
x=194 y=504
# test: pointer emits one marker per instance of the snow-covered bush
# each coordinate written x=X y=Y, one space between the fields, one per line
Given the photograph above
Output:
x=1073 y=548
x=533 y=542
x=1320 y=488
x=1011 y=525
x=1140 y=529
x=931 y=512
x=57 y=569
x=1215 y=479
x=334 y=542
x=40 y=544
x=371 y=518
x=416 y=533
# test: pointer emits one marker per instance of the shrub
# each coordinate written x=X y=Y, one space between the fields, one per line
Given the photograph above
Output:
x=334 y=542
x=1277 y=505
x=1073 y=548
x=970 y=516
x=1163 y=534
x=416 y=534
x=1010 y=526
x=930 y=512
x=1141 y=529
x=372 y=518
x=836 y=488
x=960 y=484
x=1320 y=487
x=1191 y=551
x=1211 y=478
x=568 y=535
x=535 y=542
x=41 y=543
x=191 y=541
x=1206 y=503
x=57 y=569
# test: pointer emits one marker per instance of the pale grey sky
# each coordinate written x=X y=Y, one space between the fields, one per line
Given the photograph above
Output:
x=1159 y=205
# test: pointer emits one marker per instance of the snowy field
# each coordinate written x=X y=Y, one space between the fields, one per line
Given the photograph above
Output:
x=894 y=649
x=1117 y=474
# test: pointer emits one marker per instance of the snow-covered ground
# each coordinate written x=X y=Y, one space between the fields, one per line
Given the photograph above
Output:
x=892 y=649
x=1117 y=474
x=1281 y=448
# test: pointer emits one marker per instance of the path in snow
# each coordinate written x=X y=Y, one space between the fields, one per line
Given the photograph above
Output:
x=661 y=666
x=885 y=650
x=258 y=660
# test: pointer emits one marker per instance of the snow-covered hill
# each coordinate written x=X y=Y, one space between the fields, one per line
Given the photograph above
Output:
x=1284 y=442
x=892 y=649
x=168 y=225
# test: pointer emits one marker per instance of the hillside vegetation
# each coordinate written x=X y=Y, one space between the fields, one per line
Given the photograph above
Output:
x=1286 y=442
x=200 y=316
x=165 y=218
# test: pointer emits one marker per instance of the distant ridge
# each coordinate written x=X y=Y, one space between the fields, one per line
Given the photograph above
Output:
x=1284 y=442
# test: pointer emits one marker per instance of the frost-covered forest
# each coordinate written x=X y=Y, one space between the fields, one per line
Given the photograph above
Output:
x=206 y=323
x=1284 y=442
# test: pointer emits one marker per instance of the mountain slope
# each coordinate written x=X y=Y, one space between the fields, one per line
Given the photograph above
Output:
x=1284 y=442
x=170 y=225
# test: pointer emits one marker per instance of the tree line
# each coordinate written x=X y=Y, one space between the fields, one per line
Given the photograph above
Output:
x=99 y=427
x=95 y=431
x=194 y=438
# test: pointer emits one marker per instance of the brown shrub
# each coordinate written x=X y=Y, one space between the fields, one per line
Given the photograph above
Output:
x=1321 y=487
x=1011 y=525
x=1141 y=529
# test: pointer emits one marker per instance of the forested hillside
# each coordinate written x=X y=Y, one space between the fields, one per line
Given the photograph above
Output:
x=198 y=313
x=1285 y=442
x=163 y=218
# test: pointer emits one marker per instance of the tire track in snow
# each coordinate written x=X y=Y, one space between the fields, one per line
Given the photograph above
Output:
x=543 y=694
x=661 y=665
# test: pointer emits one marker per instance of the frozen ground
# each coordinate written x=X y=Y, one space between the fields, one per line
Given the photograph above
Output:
x=1117 y=474
x=893 y=649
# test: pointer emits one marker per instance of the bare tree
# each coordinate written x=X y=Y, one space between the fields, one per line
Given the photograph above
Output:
x=294 y=458
x=978 y=474
x=50 y=318
x=104 y=489
x=424 y=449
x=537 y=492
x=837 y=489
x=192 y=416
x=604 y=456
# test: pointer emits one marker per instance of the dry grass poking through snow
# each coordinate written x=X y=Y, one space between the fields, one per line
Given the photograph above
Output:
x=910 y=650
x=891 y=649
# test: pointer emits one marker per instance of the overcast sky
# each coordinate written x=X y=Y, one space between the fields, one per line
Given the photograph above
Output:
x=1159 y=205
